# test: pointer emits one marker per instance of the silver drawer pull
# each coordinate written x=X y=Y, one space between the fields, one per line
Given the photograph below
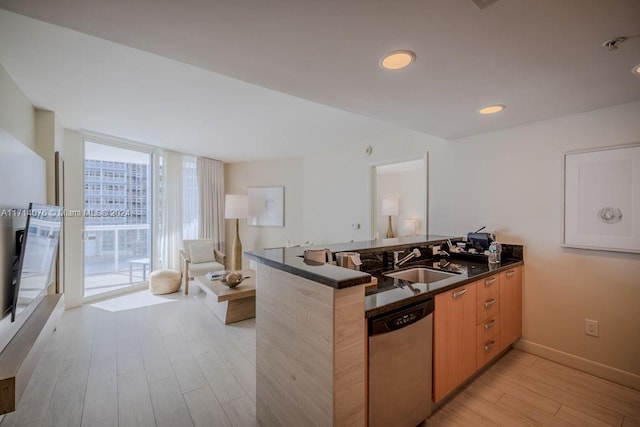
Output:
x=488 y=346
x=490 y=324
x=490 y=282
x=510 y=273
x=488 y=303
x=459 y=293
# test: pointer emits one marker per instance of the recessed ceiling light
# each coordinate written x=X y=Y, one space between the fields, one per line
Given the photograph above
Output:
x=636 y=69
x=397 y=59
x=491 y=109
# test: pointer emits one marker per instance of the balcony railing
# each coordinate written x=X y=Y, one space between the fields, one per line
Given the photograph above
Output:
x=109 y=249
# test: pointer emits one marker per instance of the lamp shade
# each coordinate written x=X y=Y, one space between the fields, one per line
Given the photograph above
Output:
x=236 y=206
x=410 y=226
x=390 y=206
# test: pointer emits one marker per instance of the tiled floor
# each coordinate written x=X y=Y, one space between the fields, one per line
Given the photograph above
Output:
x=143 y=360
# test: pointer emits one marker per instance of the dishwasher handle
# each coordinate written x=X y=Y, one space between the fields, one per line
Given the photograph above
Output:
x=401 y=318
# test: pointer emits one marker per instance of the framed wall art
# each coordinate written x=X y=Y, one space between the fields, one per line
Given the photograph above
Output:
x=602 y=199
x=266 y=206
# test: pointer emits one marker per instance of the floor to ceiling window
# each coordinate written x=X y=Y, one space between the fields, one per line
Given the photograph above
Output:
x=190 y=197
x=117 y=217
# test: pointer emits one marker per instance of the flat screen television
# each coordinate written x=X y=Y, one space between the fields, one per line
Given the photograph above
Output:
x=37 y=245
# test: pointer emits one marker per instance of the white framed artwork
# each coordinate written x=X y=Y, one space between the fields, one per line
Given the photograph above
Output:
x=602 y=199
x=266 y=206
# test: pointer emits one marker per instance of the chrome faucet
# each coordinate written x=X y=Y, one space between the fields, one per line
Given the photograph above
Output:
x=398 y=262
x=446 y=262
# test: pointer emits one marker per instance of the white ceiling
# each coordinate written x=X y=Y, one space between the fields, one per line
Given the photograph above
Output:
x=104 y=87
x=542 y=59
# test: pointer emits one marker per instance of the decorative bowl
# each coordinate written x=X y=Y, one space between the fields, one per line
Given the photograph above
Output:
x=232 y=279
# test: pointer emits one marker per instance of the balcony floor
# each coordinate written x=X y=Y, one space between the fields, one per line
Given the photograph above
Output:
x=95 y=284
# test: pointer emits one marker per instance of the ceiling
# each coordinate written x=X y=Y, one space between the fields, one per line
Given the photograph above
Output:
x=541 y=59
x=107 y=88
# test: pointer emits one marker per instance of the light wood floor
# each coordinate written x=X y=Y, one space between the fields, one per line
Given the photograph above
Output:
x=172 y=364
x=175 y=364
x=522 y=389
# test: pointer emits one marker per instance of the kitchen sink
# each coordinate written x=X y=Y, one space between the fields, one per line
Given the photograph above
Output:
x=420 y=275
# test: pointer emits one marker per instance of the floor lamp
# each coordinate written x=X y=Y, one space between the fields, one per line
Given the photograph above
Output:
x=390 y=207
x=236 y=206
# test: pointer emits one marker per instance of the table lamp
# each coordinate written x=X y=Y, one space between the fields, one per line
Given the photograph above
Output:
x=390 y=207
x=236 y=206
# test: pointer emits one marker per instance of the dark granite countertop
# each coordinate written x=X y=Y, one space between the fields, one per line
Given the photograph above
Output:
x=393 y=293
x=390 y=293
x=291 y=261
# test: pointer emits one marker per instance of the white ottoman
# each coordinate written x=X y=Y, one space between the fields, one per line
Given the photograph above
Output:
x=164 y=281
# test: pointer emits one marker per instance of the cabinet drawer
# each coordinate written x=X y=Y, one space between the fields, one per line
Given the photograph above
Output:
x=488 y=288
x=487 y=307
x=487 y=351
x=487 y=329
x=513 y=275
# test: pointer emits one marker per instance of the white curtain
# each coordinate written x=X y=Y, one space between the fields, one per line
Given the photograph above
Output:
x=211 y=200
x=171 y=223
x=190 y=197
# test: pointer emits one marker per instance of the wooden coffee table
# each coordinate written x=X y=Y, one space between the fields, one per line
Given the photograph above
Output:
x=230 y=304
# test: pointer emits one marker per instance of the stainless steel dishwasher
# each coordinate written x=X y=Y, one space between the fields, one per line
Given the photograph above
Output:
x=400 y=366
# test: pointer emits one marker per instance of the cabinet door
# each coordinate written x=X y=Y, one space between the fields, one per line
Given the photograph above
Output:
x=510 y=306
x=454 y=339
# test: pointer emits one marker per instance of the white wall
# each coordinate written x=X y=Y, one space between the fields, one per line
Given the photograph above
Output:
x=286 y=172
x=328 y=191
x=22 y=180
x=408 y=187
x=17 y=124
x=511 y=181
x=16 y=112
x=48 y=140
x=74 y=225
x=337 y=185
x=22 y=174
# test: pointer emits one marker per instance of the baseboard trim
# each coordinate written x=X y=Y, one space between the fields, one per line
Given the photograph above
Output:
x=594 y=368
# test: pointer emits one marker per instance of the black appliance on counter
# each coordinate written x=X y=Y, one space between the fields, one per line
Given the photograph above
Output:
x=480 y=241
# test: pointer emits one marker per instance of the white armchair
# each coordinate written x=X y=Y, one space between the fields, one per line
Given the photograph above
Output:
x=199 y=257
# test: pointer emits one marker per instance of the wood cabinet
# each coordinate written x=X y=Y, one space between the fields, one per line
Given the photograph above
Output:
x=510 y=306
x=488 y=298
x=487 y=330
x=472 y=324
x=454 y=328
x=488 y=319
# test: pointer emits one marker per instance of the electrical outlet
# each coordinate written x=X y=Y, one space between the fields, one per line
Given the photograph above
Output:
x=591 y=327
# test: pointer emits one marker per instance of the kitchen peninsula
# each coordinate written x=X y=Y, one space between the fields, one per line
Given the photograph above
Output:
x=311 y=324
